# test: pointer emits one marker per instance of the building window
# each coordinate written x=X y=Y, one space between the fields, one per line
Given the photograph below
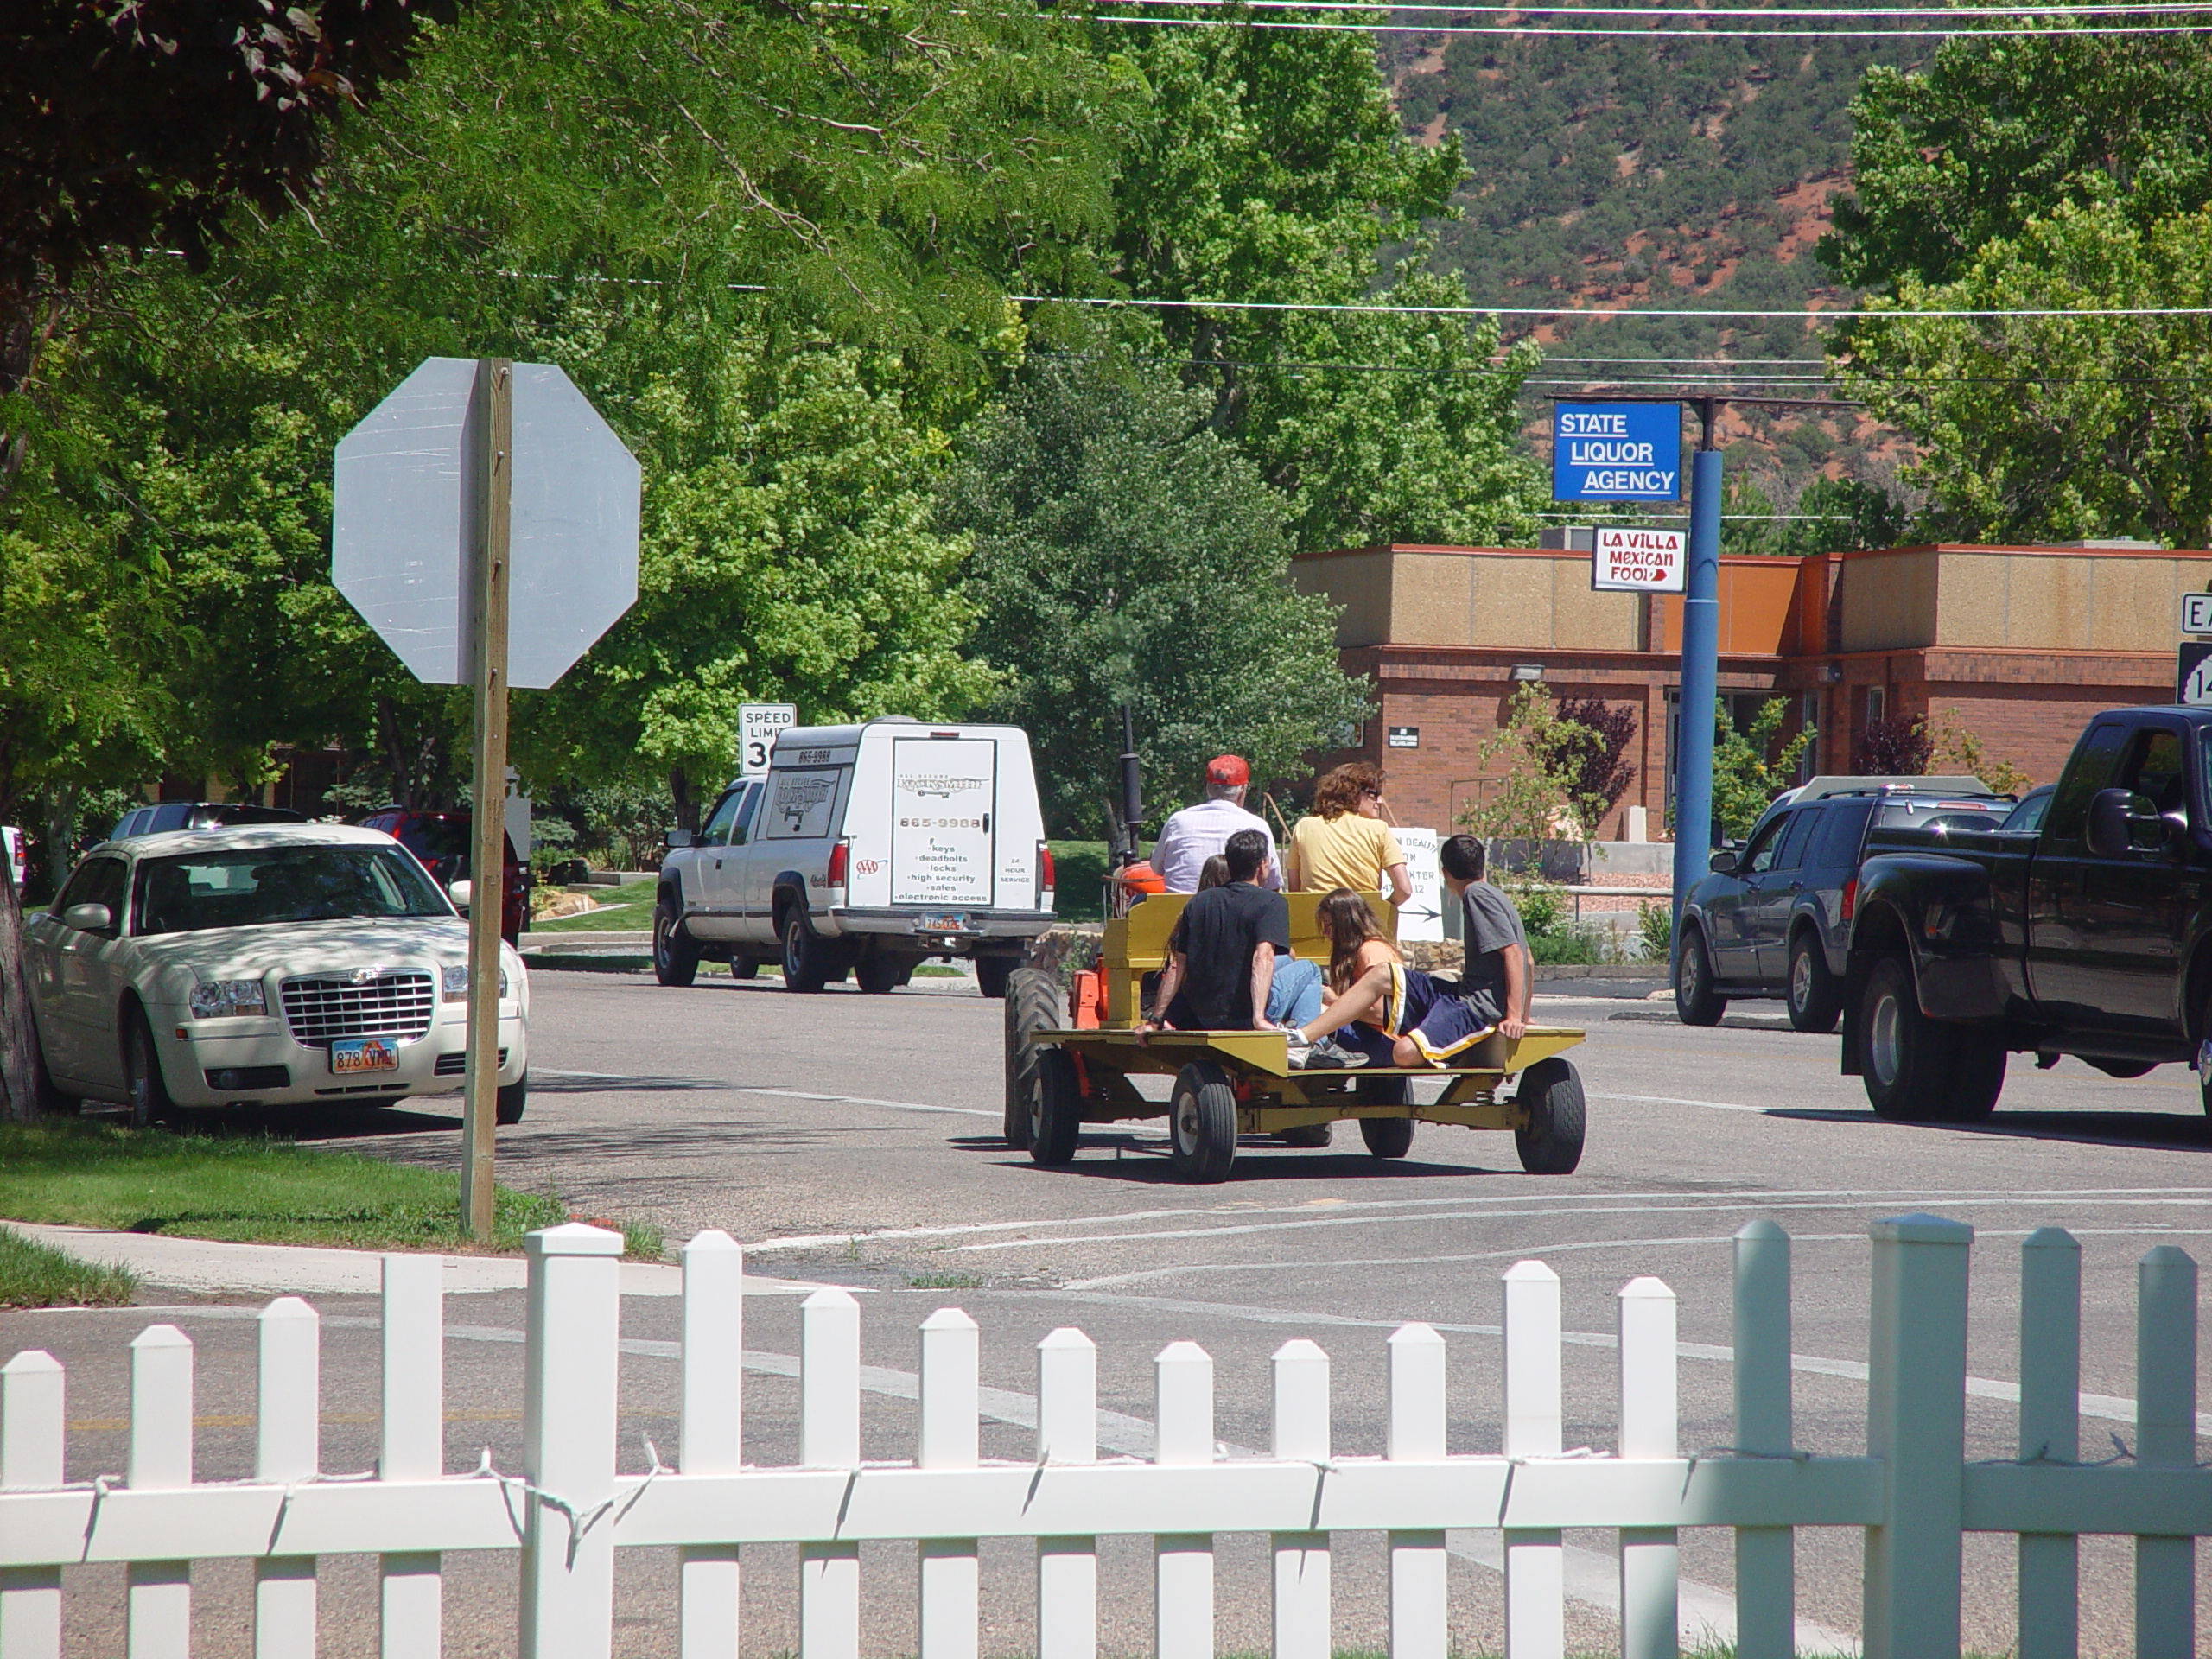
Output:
x=1877 y=704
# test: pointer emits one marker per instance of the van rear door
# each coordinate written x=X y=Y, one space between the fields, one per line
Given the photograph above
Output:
x=943 y=820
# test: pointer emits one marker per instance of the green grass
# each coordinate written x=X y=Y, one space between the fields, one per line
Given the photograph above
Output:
x=944 y=1282
x=252 y=1190
x=626 y=909
x=33 y=1274
x=1078 y=868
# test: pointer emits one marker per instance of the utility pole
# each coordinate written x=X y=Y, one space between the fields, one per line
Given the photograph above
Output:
x=493 y=430
x=1701 y=672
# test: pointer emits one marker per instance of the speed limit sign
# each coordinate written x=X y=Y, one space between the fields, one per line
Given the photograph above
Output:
x=757 y=726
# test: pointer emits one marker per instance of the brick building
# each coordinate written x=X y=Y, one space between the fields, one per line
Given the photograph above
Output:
x=2020 y=645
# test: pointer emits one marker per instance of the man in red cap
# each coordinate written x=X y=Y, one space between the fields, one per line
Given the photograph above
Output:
x=1196 y=833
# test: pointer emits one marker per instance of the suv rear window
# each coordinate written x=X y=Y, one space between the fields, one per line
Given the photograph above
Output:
x=1943 y=815
x=1843 y=831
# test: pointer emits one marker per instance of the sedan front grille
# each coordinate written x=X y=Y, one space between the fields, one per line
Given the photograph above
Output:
x=400 y=1004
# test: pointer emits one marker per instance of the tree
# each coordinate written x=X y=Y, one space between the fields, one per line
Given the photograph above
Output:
x=1125 y=552
x=2059 y=426
x=1556 y=768
x=1269 y=164
x=2000 y=131
x=1752 y=766
x=1606 y=769
x=120 y=127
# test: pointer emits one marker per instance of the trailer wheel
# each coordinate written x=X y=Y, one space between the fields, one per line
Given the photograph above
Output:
x=1388 y=1137
x=1202 y=1123
x=676 y=953
x=1033 y=1004
x=1056 y=1118
x=1551 y=1093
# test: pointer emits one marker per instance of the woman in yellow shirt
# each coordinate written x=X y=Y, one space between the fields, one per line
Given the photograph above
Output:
x=1343 y=843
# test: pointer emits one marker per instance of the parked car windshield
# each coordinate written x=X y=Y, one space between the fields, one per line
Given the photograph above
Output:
x=248 y=886
x=1943 y=815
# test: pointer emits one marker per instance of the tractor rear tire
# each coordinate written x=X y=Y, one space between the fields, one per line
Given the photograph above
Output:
x=1033 y=1004
x=1551 y=1092
x=1202 y=1124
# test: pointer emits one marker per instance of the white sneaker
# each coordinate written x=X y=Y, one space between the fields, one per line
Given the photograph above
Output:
x=1301 y=1048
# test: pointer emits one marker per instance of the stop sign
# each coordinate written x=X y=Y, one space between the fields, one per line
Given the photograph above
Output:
x=401 y=531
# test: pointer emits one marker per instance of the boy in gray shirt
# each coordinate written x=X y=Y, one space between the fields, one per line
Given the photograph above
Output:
x=1496 y=981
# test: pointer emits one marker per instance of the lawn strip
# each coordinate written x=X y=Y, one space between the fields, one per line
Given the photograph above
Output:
x=36 y=1274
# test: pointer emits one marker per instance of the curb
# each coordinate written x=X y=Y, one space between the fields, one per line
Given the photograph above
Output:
x=208 y=1265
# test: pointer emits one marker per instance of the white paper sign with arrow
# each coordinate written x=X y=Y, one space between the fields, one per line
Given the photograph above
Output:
x=1423 y=915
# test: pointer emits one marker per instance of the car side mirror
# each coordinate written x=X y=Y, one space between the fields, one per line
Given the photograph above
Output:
x=87 y=919
x=1723 y=862
x=459 y=891
x=2106 y=829
x=677 y=838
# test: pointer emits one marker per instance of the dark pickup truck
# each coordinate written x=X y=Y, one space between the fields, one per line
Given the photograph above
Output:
x=2090 y=936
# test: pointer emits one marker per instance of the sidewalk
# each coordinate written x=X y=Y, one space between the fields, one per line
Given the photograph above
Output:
x=211 y=1267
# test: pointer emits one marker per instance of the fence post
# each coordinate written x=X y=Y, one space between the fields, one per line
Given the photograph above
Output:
x=1419 y=1582
x=289 y=1448
x=574 y=1332
x=1183 y=1562
x=1766 y=1557
x=413 y=1442
x=2050 y=1429
x=1067 y=1432
x=951 y=1384
x=713 y=1440
x=829 y=1438
x=1650 y=1558
x=1915 y=1424
x=32 y=1423
x=1301 y=1434
x=1535 y=1566
x=160 y=1596
x=2165 y=1428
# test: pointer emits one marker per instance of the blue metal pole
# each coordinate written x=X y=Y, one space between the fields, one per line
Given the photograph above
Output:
x=1701 y=672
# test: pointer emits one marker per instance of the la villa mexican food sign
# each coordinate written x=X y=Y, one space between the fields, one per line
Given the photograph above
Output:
x=1626 y=559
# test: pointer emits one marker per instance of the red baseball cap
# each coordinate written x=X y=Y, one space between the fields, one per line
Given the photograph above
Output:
x=1228 y=770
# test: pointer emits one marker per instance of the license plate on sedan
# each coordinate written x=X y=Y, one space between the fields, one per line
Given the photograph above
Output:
x=351 y=1054
x=943 y=922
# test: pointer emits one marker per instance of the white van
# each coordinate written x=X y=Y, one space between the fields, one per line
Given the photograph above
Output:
x=866 y=849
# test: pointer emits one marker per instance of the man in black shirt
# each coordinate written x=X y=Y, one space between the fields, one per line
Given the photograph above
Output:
x=1221 y=957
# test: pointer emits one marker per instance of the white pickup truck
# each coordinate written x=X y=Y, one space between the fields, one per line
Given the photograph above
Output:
x=865 y=850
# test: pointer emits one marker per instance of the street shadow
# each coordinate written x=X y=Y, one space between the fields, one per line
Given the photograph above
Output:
x=1145 y=1161
x=2169 y=1131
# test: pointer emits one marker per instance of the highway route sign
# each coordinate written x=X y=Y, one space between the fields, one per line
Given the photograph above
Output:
x=757 y=726
x=403 y=523
x=2193 y=674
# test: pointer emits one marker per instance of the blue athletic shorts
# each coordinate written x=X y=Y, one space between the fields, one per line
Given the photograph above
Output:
x=1430 y=1011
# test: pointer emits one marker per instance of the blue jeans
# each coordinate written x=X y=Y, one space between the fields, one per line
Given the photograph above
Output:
x=1294 y=996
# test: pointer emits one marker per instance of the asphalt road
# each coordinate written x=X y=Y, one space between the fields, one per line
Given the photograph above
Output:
x=852 y=1139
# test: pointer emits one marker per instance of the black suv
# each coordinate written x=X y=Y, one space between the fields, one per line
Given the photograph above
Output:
x=1773 y=917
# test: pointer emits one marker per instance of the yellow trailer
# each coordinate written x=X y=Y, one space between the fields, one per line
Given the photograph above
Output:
x=1062 y=1071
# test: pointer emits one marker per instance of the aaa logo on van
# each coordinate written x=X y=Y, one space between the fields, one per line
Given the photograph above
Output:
x=941 y=787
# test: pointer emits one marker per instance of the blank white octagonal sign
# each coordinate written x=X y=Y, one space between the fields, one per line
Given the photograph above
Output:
x=400 y=538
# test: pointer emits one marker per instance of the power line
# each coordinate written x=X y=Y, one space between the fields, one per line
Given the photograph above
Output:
x=1647 y=34
x=1712 y=314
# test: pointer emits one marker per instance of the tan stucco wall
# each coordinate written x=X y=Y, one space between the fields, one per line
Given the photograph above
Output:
x=1507 y=600
x=2087 y=600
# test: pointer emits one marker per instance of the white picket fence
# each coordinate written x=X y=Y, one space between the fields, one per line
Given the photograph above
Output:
x=1914 y=1491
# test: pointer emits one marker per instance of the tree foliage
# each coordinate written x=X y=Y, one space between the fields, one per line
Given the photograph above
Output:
x=1554 y=770
x=1998 y=131
x=1125 y=552
x=1750 y=767
x=1268 y=165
